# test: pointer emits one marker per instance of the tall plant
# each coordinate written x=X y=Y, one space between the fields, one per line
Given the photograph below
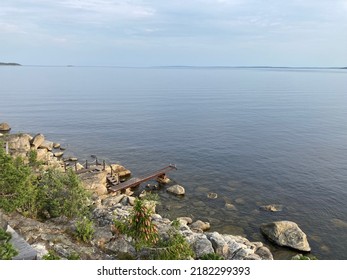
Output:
x=139 y=226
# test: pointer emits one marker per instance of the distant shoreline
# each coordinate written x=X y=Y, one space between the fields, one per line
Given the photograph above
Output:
x=181 y=67
x=9 y=64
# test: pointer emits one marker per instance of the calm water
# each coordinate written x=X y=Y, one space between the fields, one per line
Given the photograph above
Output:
x=252 y=136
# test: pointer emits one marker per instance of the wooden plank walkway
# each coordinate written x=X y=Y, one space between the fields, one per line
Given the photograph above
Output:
x=137 y=181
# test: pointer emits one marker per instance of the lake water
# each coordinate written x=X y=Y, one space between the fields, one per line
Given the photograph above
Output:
x=253 y=136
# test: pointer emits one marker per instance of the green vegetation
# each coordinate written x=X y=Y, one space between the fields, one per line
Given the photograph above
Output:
x=144 y=233
x=301 y=257
x=175 y=247
x=139 y=226
x=84 y=230
x=74 y=256
x=61 y=194
x=42 y=195
x=51 y=256
x=7 y=251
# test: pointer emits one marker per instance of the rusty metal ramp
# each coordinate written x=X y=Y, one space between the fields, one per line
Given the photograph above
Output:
x=137 y=181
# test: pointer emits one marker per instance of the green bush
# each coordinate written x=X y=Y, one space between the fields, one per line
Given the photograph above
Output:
x=145 y=235
x=84 y=230
x=139 y=226
x=61 y=194
x=44 y=195
x=74 y=256
x=7 y=251
x=51 y=256
x=17 y=191
x=176 y=247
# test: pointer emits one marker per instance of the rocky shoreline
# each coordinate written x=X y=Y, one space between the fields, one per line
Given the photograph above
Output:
x=57 y=234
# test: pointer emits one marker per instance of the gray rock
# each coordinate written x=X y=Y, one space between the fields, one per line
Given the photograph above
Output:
x=176 y=189
x=201 y=245
x=25 y=251
x=58 y=154
x=95 y=182
x=56 y=145
x=185 y=220
x=43 y=155
x=131 y=200
x=19 y=143
x=286 y=233
x=218 y=243
x=112 y=200
x=47 y=145
x=120 y=247
x=40 y=249
x=5 y=127
x=264 y=253
x=37 y=140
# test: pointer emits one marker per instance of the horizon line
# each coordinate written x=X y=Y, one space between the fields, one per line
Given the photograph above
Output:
x=183 y=66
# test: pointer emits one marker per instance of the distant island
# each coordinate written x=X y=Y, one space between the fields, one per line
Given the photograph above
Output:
x=9 y=64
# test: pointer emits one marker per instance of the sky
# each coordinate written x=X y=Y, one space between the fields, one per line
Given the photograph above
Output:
x=174 y=32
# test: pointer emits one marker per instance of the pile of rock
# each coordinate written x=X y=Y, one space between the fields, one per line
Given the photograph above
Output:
x=23 y=144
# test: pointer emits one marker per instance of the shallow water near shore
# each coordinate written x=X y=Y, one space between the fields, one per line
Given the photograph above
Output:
x=253 y=136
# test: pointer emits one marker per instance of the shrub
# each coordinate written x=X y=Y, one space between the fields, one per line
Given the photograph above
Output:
x=53 y=195
x=16 y=184
x=61 y=194
x=74 y=256
x=176 y=247
x=84 y=230
x=145 y=235
x=139 y=226
x=7 y=251
x=51 y=256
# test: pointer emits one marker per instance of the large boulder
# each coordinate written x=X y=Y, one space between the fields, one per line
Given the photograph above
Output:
x=19 y=143
x=5 y=127
x=95 y=182
x=218 y=243
x=286 y=233
x=37 y=140
x=47 y=145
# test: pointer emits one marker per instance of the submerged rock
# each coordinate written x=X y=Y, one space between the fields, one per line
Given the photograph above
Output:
x=286 y=233
x=176 y=189
x=200 y=225
x=272 y=207
x=212 y=195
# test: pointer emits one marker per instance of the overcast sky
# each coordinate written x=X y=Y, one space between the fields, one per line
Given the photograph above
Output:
x=174 y=32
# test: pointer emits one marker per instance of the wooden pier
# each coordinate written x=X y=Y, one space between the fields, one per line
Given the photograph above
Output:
x=133 y=182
